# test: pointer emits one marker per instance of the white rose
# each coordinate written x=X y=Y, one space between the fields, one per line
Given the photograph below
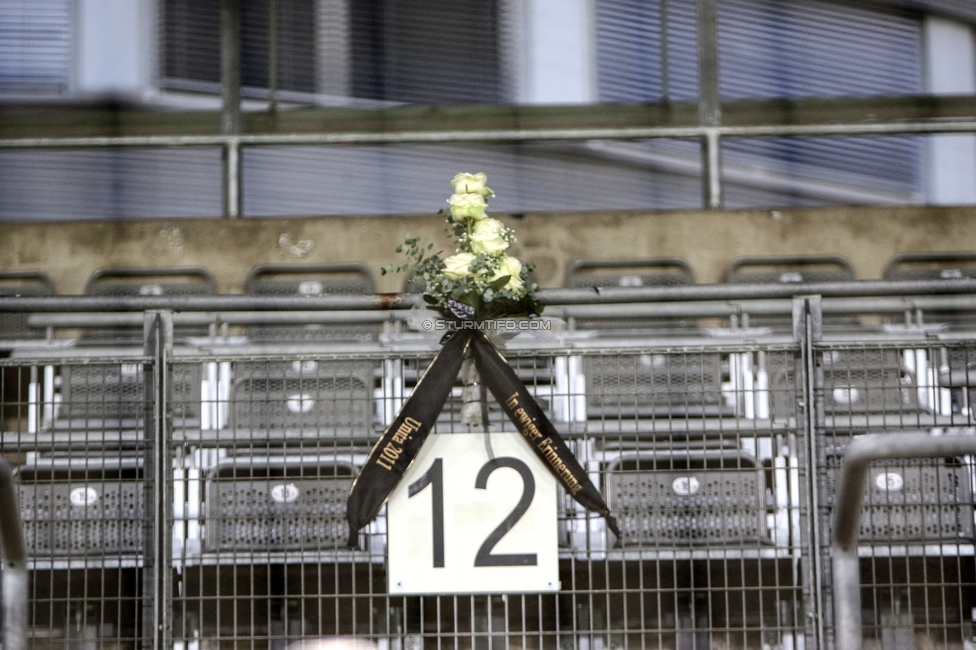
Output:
x=510 y=266
x=457 y=266
x=465 y=183
x=488 y=236
x=467 y=206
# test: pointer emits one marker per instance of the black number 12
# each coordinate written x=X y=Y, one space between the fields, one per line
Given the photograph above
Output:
x=434 y=476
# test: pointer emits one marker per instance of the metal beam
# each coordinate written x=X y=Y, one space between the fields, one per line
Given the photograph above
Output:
x=230 y=119
x=522 y=135
x=115 y=119
x=573 y=296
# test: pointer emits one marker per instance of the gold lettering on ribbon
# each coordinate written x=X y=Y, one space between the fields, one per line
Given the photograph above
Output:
x=559 y=467
x=528 y=429
x=391 y=452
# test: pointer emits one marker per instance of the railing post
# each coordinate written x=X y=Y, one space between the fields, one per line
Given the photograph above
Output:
x=157 y=606
x=15 y=585
x=230 y=119
x=808 y=330
x=709 y=106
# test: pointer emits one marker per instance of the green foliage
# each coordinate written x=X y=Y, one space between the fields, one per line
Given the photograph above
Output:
x=475 y=280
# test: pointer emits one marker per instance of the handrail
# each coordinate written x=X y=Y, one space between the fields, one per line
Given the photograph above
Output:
x=847 y=512
x=687 y=309
x=14 y=588
x=566 y=296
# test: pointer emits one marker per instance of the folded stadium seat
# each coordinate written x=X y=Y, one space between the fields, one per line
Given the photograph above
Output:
x=867 y=381
x=906 y=501
x=275 y=504
x=791 y=269
x=659 y=385
x=328 y=399
x=311 y=280
x=654 y=272
x=936 y=266
x=688 y=496
x=125 y=282
x=956 y=370
x=112 y=396
x=83 y=508
x=27 y=284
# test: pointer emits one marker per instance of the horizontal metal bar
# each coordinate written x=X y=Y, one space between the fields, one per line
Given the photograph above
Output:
x=52 y=304
x=705 y=292
x=134 y=319
x=845 y=571
x=499 y=135
x=690 y=309
x=574 y=296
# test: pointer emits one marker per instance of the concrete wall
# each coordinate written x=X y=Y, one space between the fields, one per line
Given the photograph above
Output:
x=69 y=252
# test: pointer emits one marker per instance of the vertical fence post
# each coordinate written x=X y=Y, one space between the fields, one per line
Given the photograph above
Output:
x=709 y=108
x=15 y=583
x=807 y=330
x=272 y=55
x=157 y=604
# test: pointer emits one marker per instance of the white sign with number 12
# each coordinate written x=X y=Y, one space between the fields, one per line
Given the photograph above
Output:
x=463 y=522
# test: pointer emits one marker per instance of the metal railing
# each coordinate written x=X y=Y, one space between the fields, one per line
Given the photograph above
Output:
x=155 y=479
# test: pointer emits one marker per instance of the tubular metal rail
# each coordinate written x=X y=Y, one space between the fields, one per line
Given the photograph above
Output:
x=14 y=584
x=848 y=501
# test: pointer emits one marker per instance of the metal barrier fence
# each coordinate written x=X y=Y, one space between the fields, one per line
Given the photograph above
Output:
x=191 y=494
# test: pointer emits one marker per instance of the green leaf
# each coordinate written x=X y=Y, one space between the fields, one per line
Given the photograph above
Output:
x=430 y=300
x=498 y=284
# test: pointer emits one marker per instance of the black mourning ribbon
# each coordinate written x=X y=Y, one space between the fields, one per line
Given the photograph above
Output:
x=398 y=446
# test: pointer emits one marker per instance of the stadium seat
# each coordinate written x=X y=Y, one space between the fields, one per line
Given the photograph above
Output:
x=653 y=272
x=677 y=497
x=25 y=284
x=331 y=398
x=295 y=503
x=654 y=385
x=82 y=506
x=310 y=280
x=790 y=269
x=936 y=266
x=125 y=282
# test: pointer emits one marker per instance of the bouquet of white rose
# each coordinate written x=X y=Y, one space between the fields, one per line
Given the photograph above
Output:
x=480 y=281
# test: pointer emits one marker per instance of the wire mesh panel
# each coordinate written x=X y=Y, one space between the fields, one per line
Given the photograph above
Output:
x=708 y=453
x=916 y=531
x=704 y=478
x=83 y=495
